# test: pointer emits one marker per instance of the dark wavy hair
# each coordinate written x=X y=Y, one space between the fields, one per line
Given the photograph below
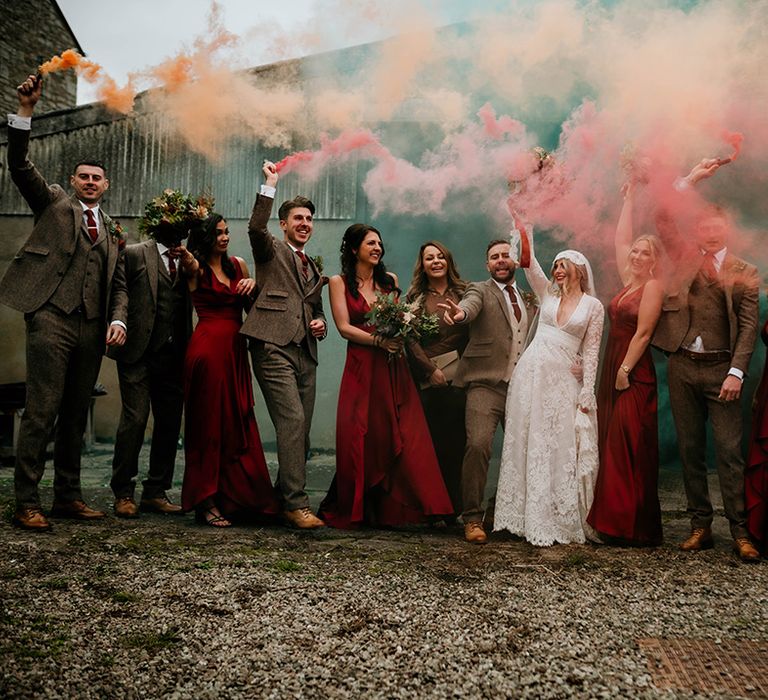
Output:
x=350 y=244
x=420 y=284
x=203 y=238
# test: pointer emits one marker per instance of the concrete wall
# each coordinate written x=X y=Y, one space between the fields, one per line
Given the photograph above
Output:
x=402 y=237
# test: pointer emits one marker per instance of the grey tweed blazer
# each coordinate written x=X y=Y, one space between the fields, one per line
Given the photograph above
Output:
x=486 y=357
x=284 y=302
x=40 y=264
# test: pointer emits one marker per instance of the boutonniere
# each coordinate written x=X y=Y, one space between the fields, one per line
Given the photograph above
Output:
x=115 y=230
x=318 y=260
x=529 y=298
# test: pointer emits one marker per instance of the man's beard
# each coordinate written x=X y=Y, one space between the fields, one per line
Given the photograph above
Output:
x=509 y=275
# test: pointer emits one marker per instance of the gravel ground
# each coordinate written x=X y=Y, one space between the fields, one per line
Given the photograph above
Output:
x=160 y=607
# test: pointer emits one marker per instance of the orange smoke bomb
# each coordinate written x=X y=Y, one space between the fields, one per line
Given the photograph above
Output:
x=115 y=98
x=70 y=59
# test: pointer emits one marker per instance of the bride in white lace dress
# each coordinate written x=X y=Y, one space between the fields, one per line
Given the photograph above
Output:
x=550 y=459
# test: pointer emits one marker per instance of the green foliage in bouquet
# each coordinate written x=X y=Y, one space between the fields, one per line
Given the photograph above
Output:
x=176 y=212
x=398 y=319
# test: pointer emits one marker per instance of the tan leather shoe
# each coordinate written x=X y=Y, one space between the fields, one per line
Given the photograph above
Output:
x=126 y=508
x=746 y=550
x=161 y=505
x=303 y=519
x=76 y=510
x=701 y=538
x=31 y=519
x=475 y=533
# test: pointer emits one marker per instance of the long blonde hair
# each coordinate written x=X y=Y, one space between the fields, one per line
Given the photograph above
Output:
x=581 y=271
x=657 y=253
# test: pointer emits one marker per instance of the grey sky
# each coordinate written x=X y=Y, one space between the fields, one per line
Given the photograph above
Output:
x=129 y=36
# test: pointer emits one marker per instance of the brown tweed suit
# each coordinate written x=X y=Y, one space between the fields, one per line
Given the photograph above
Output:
x=495 y=343
x=730 y=304
x=150 y=367
x=283 y=351
x=65 y=323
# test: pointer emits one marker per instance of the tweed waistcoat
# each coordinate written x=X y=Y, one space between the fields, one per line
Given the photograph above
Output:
x=170 y=322
x=708 y=315
x=520 y=331
x=301 y=331
x=82 y=284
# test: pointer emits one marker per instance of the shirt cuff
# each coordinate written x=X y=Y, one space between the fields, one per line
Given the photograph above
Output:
x=119 y=323
x=681 y=184
x=17 y=122
x=736 y=372
x=267 y=191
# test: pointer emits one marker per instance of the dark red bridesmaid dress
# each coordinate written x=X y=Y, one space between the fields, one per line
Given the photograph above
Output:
x=626 y=503
x=223 y=453
x=756 y=475
x=387 y=473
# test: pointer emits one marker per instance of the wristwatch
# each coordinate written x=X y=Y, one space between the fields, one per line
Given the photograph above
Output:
x=625 y=369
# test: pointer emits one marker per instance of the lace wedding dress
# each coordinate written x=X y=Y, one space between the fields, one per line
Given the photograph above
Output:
x=550 y=458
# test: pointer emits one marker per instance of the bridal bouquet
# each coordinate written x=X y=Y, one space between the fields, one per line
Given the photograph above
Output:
x=175 y=211
x=392 y=318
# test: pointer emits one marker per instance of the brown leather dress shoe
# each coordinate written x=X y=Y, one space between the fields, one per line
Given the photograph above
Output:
x=31 y=519
x=303 y=519
x=701 y=538
x=161 y=505
x=474 y=533
x=746 y=550
x=76 y=510
x=126 y=508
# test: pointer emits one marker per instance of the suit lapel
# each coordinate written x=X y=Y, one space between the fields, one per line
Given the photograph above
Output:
x=152 y=261
x=78 y=226
x=296 y=263
x=726 y=276
x=314 y=272
x=502 y=301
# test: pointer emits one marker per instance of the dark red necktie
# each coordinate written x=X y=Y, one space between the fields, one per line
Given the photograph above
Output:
x=513 y=298
x=708 y=268
x=171 y=264
x=93 y=228
x=304 y=264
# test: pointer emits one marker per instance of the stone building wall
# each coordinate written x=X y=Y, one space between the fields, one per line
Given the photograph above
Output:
x=32 y=31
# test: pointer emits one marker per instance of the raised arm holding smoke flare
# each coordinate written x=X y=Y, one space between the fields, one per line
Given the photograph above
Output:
x=627 y=397
x=708 y=328
x=285 y=324
x=68 y=279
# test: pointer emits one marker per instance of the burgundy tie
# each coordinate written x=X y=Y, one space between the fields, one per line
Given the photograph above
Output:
x=93 y=228
x=304 y=264
x=171 y=264
x=513 y=298
x=708 y=268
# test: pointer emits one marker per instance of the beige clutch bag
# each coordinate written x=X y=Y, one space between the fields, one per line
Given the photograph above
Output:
x=448 y=362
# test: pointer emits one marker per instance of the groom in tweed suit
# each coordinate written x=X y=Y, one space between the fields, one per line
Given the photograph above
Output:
x=284 y=325
x=67 y=279
x=499 y=319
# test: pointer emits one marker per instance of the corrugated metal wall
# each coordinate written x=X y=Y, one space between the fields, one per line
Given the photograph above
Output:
x=143 y=158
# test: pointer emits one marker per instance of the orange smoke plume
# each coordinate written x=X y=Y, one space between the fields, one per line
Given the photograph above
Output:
x=116 y=98
x=71 y=59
